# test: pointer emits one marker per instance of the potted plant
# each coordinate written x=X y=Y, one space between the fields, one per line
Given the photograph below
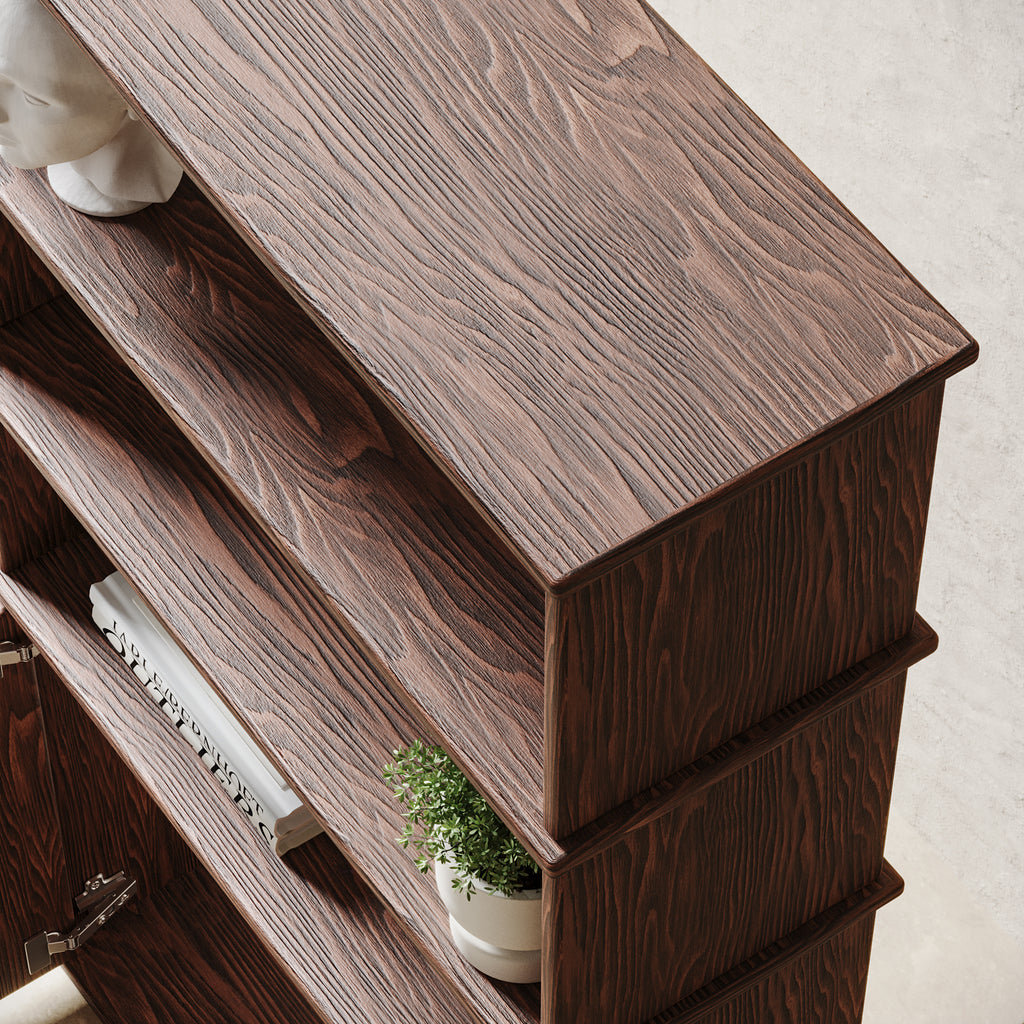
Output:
x=489 y=884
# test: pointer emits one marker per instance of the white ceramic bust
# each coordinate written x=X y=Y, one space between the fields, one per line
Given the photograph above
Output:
x=57 y=110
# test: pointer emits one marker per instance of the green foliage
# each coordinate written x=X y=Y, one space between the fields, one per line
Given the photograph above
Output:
x=447 y=820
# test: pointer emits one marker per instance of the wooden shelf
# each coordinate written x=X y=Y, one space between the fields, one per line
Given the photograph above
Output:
x=349 y=953
x=560 y=856
x=166 y=519
x=246 y=617
x=498 y=452
x=415 y=578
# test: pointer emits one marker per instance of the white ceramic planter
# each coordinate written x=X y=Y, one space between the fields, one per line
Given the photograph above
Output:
x=499 y=935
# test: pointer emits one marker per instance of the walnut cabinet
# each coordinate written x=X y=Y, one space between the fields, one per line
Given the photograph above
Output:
x=497 y=377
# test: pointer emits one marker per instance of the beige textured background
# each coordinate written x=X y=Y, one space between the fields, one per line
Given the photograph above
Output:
x=913 y=114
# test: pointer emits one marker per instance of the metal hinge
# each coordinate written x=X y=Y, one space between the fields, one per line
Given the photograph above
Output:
x=102 y=898
x=16 y=652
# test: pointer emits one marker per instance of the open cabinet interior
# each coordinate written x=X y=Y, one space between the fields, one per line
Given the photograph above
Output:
x=619 y=496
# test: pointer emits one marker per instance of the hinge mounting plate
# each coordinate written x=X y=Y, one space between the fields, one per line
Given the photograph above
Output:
x=101 y=898
x=15 y=652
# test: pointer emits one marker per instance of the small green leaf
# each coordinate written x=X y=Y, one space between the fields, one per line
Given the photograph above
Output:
x=447 y=819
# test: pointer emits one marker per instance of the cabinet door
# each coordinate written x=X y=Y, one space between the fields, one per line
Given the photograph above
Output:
x=34 y=891
x=108 y=820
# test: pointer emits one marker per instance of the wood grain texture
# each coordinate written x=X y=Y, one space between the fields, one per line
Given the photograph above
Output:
x=24 y=281
x=767 y=848
x=108 y=821
x=826 y=986
x=324 y=713
x=816 y=973
x=682 y=788
x=567 y=298
x=34 y=892
x=352 y=956
x=401 y=555
x=78 y=426
x=591 y=281
x=419 y=582
x=32 y=518
x=737 y=614
x=182 y=955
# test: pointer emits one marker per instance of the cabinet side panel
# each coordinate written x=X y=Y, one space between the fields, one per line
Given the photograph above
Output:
x=33 y=520
x=109 y=821
x=24 y=282
x=825 y=985
x=741 y=864
x=34 y=892
x=736 y=614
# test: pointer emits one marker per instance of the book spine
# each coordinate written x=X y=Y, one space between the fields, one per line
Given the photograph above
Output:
x=243 y=752
x=117 y=598
x=241 y=795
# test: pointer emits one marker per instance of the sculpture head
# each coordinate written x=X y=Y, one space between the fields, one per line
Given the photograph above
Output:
x=55 y=103
x=57 y=110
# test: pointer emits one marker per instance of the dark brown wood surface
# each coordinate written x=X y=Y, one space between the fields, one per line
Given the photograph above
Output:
x=737 y=614
x=419 y=582
x=24 y=281
x=825 y=986
x=423 y=585
x=33 y=520
x=591 y=280
x=323 y=711
x=816 y=973
x=544 y=243
x=108 y=821
x=684 y=787
x=34 y=892
x=185 y=955
x=752 y=858
x=350 y=954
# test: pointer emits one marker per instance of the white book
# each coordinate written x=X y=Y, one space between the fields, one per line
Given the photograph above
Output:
x=227 y=750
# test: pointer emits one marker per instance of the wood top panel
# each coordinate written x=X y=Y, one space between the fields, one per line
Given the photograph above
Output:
x=592 y=283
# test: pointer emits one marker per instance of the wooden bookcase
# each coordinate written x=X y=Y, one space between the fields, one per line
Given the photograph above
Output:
x=496 y=377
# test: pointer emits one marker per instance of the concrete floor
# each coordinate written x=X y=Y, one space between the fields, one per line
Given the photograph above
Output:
x=913 y=114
